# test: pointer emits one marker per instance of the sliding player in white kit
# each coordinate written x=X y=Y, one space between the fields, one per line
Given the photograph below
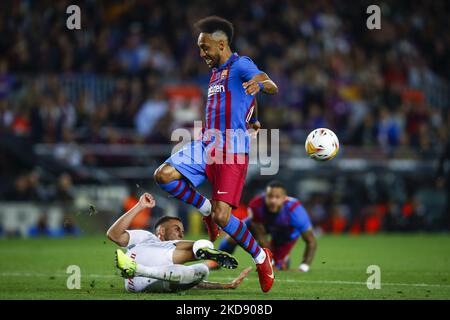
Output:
x=155 y=262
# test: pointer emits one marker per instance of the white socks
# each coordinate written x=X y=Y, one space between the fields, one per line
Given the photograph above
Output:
x=176 y=273
x=205 y=209
x=260 y=257
x=200 y=244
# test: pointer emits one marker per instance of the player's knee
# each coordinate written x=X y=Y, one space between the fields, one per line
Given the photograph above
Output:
x=202 y=269
x=164 y=174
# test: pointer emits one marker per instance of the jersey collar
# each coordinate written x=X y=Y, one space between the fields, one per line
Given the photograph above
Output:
x=230 y=60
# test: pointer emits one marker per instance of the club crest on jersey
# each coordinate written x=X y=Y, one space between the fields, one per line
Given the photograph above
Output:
x=224 y=74
x=218 y=88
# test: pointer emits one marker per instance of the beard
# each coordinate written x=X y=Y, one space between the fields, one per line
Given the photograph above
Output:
x=212 y=62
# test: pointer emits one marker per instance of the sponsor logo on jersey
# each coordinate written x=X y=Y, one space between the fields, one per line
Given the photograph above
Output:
x=218 y=88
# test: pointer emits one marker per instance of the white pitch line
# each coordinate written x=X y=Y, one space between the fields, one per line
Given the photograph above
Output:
x=364 y=283
x=337 y=282
x=29 y=274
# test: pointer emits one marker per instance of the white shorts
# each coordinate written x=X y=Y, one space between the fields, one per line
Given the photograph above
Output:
x=146 y=249
x=153 y=254
x=142 y=284
x=198 y=273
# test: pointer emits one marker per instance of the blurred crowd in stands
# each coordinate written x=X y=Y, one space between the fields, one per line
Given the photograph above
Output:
x=385 y=87
x=111 y=81
x=30 y=186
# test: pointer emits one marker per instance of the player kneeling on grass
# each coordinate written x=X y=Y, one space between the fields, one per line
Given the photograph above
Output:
x=284 y=219
x=155 y=262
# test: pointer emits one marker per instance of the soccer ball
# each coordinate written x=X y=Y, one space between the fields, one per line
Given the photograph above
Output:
x=322 y=144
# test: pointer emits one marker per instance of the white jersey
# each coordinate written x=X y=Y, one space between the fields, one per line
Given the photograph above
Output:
x=147 y=249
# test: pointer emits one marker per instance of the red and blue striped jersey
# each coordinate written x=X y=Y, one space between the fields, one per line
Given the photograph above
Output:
x=287 y=224
x=228 y=107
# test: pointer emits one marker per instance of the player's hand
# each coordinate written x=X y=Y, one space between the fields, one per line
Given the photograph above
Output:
x=251 y=87
x=296 y=270
x=236 y=282
x=254 y=128
x=147 y=201
x=302 y=268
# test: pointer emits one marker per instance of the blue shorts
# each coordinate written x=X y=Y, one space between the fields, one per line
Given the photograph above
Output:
x=198 y=162
x=189 y=161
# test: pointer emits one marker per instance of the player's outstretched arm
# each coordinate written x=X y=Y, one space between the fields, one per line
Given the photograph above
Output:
x=310 y=250
x=260 y=82
x=117 y=232
x=232 y=285
x=254 y=122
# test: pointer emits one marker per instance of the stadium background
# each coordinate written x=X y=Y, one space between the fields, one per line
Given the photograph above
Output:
x=86 y=115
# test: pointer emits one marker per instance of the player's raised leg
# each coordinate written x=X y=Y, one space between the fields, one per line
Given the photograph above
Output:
x=172 y=181
x=226 y=245
x=175 y=273
x=187 y=165
x=187 y=251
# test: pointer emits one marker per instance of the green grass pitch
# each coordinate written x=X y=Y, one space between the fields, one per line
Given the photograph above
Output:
x=413 y=266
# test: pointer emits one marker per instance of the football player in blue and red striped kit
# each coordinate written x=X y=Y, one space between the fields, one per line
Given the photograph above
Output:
x=284 y=219
x=221 y=155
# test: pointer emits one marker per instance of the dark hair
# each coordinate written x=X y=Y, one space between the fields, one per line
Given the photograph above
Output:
x=276 y=184
x=212 y=24
x=165 y=219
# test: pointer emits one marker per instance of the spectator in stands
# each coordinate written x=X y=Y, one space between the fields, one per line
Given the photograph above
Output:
x=20 y=190
x=68 y=151
x=41 y=228
x=153 y=109
x=69 y=226
x=64 y=189
x=38 y=192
